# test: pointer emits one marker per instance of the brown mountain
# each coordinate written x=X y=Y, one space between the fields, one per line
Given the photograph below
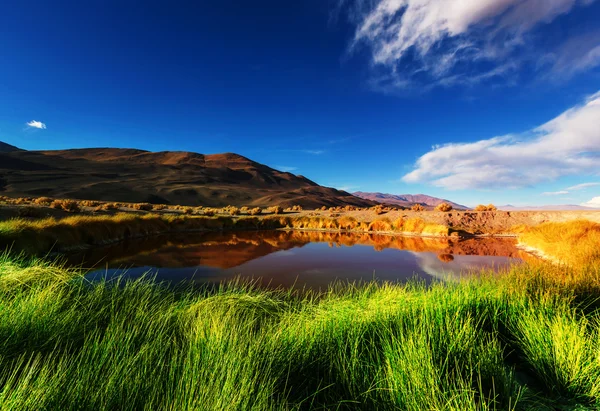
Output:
x=113 y=174
x=407 y=200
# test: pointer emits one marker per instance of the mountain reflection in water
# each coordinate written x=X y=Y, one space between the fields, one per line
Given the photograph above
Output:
x=301 y=258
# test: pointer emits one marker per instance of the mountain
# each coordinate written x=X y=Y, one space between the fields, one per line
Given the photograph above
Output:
x=407 y=200
x=7 y=148
x=130 y=175
x=564 y=207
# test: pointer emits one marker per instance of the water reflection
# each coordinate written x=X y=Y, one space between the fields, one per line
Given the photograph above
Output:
x=301 y=258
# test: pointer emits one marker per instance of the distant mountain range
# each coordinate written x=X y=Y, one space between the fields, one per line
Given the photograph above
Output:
x=130 y=175
x=408 y=200
x=564 y=207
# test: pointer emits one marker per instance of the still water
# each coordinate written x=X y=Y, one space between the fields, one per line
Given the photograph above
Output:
x=299 y=259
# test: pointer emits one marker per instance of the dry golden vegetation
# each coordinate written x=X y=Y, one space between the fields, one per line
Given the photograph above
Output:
x=417 y=207
x=575 y=243
x=443 y=207
x=489 y=207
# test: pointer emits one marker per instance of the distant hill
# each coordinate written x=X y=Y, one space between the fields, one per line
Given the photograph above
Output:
x=564 y=207
x=6 y=148
x=407 y=200
x=113 y=174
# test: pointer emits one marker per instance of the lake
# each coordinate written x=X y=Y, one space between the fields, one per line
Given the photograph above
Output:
x=297 y=258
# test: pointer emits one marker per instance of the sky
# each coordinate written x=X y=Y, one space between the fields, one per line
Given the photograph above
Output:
x=493 y=101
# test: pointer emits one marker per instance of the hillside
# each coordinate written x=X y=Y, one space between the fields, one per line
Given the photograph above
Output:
x=407 y=200
x=185 y=178
x=564 y=207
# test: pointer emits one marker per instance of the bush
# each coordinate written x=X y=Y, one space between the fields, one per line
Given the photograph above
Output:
x=69 y=206
x=110 y=206
x=209 y=212
x=143 y=206
x=489 y=207
x=43 y=201
x=275 y=210
x=443 y=207
x=233 y=210
x=417 y=207
x=255 y=211
x=158 y=207
x=89 y=203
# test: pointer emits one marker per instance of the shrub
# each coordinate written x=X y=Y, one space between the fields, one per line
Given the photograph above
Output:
x=43 y=201
x=443 y=207
x=381 y=225
x=255 y=211
x=188 y=210
x=489 y=207
x=110 y=206
x=379 y=209
x=89 y=203
x=143 y=206
x=159 y=207
x=66 y=205
x=233 y=210
x=209 y=212
x=275 y=210
x=417 y=207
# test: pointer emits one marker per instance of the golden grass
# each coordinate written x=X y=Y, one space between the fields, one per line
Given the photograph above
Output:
x=575 y=243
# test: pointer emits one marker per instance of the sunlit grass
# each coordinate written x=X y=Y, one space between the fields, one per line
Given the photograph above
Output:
x=574 y=242
x=522 y=340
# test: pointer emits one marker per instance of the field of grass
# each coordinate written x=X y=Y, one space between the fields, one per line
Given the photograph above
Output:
x=529 y=339
x=526 y=339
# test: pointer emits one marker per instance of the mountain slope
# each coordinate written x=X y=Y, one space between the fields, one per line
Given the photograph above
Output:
x=7 y=148
x=407 y=200
x=185 y=178
x=563 y=207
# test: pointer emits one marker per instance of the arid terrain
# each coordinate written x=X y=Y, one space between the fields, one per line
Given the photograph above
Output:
x=183 y=178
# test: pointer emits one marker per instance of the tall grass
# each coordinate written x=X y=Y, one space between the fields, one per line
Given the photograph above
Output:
x=523 y=340
x=575 y=242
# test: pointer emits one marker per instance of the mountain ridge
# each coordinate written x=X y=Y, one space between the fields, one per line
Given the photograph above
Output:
x=175 y=177
x=407 y=200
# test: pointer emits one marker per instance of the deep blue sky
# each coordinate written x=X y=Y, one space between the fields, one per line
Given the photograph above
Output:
x=284 y=84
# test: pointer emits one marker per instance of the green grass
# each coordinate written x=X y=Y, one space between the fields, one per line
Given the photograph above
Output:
x=528 y=339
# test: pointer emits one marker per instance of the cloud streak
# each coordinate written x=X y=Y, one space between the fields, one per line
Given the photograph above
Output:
x=566 y=145
x=441 y=42
x=36 y=124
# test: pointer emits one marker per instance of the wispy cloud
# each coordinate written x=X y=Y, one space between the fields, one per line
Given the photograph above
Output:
x=441 y=42
x=36 y=124
x=594 y=203
x=566 y=145
x=315 y=152
x=286 y=169
x=555 y=193
x=582 y=186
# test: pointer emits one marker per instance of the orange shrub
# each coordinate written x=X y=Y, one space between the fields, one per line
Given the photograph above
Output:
x=275 y=210
x=417 y=207
x=255 y=211
x=381 y=225
x=66 y=205
x=43 y=201
x=443 y=207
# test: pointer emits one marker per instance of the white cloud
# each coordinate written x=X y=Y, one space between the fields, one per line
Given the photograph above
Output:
x=594 y=203
x=446 y=42
x=583 y=186
x=36 y=124
x=555 y=193
x=315 y=152
x=566 y=145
